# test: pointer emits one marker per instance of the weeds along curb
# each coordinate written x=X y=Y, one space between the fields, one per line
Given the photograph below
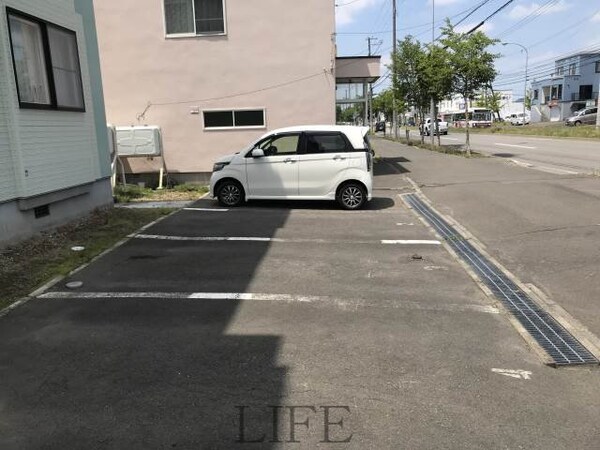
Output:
x=436 y=149
x=49 y=284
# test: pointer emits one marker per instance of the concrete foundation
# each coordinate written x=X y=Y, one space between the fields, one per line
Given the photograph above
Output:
x=17 y=223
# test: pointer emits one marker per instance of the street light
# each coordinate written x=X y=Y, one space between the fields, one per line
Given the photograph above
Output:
x=526 y=64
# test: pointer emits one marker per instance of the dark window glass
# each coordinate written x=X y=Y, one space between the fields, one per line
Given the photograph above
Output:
x=179 y=16
x=214 y=119
x=249 y=118
x=325 y=143
x=209 y=16
x=598 y=67
x=65 y=67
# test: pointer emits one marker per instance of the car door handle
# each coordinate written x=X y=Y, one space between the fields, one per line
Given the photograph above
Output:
x=338 y=158
x=289 y=160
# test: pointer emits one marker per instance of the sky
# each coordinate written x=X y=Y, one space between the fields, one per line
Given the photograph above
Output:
x=549 y=29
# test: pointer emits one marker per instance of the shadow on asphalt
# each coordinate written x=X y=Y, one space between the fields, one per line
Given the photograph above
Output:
x=141 y=372
x=390 y=166
x=376 y=204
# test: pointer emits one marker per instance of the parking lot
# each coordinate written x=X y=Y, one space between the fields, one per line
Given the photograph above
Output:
x=219 y=328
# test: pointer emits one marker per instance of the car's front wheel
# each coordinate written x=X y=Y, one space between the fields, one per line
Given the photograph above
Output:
x=230 y=193
x=352 y=196
x=577 y=123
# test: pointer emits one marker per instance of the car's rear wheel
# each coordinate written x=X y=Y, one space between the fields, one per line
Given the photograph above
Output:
x=352 y=196
x=230 y=193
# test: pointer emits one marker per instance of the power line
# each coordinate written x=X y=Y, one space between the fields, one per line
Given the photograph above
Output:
x=476 y=27
x=543 y=9
x=339 y=5
x=558 y=34
x=540 y=69
x=472 y=12
x=547 y=72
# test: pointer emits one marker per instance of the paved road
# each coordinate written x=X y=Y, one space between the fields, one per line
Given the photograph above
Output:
x=559 y=156
x=173 y=335
x=544 y=227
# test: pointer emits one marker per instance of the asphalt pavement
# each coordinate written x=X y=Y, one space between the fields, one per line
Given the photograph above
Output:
x=551 y=155
x=285 y=325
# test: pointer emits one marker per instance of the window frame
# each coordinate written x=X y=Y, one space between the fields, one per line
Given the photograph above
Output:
x=193 y=35
x=597 y=66
x=48 y=68
x=234 y=127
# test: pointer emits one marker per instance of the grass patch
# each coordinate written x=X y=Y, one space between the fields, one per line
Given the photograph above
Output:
x=457 y=150
x=29 y=264
x=549 y=130
x=181 y=192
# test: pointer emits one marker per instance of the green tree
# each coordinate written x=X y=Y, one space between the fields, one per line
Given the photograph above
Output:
x=411 y=88
x=491 y=101
x=527 y=99
x=436 y=74
x=384 y=103
x=471 y=63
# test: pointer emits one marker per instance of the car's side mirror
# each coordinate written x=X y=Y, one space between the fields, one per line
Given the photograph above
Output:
x=258 y=153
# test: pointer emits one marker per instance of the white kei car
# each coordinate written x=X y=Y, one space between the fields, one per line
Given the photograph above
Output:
x=319 y=162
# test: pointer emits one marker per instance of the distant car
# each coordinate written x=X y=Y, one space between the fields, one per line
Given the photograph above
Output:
x=517 y=119
x=380 y=126
x=585 y=116
x=319 y=162
x=426 y=127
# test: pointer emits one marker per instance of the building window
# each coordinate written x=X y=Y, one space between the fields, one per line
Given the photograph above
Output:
x=46 y=64
x=244 y=118
x=597 y=66
x=535 y=94
x=572 y=69
x=194 y=17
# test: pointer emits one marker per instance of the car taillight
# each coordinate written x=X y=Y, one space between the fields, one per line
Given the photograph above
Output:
x=369 y=160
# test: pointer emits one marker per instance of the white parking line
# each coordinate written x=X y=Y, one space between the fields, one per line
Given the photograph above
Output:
x=281 y=240
x=410 y=242
x=206 y=209
x=515 y=146
x=284 y=298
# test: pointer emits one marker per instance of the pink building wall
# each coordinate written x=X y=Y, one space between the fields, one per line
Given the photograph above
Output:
x=267 y=43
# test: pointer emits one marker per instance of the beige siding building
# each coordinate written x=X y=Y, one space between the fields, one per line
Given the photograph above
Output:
x=215 y=74
x=54 y=161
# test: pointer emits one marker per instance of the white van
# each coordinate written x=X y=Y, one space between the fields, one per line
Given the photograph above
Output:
x=299 y=163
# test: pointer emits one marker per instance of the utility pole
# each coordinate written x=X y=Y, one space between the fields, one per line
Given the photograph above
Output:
x=394 y=113
x=370 y=99
x=433 y=124
x=598 y=106
x=370 y=94
x=526 y=73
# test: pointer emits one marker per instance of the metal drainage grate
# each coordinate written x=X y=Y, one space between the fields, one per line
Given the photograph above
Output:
x=562 y=347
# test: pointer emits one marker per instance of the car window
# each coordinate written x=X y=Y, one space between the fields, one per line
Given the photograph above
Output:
x=325 y=143
x=280 y=145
